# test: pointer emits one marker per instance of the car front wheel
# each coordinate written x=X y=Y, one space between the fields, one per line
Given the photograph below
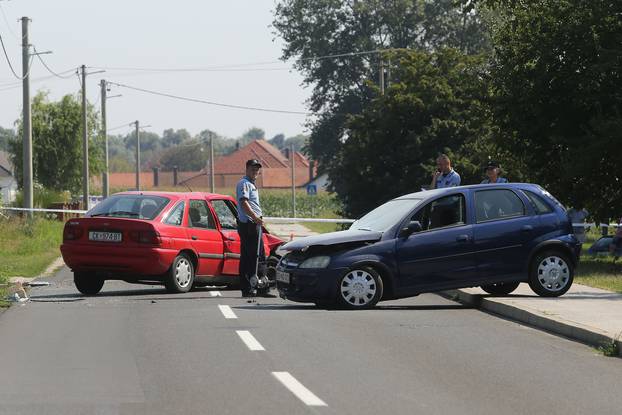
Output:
x=87 y=284
x=181 y=275
x=503 y=288
x=551 y=274
x=360 y=288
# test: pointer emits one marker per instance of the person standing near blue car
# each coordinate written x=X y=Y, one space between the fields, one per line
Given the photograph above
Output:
x=492 y=171
x=444 y=176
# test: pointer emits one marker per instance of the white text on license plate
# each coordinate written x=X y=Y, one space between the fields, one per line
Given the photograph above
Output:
x=282 y=277
x=105 y=236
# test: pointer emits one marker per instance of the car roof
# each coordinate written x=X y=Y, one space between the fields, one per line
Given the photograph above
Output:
x=178 y=195
x=425 y=194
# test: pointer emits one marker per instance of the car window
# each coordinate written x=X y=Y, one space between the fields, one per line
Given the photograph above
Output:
x=225 y=213
x=384 y=216
x=497 y=204
x=199 y=216
x=538 y=203
x=176 y=216
x=130 y=206
x=441 y=213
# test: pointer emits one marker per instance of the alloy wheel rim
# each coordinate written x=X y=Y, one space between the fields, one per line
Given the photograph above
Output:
x=183 y=272
x=553 y=273
x=358 y=288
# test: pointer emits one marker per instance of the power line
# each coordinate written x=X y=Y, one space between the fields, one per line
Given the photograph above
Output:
x=238 y=66
x=6 y=20
x=6 y=55
x=58 y=75
x=201 y=101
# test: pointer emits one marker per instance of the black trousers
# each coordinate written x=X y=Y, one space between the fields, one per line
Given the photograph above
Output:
x=249 y=236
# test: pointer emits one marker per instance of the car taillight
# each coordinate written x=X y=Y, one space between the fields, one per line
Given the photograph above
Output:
x=72 y=232
x=145 y=237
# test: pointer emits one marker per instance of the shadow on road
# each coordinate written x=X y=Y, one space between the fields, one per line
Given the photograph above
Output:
x=284 y=307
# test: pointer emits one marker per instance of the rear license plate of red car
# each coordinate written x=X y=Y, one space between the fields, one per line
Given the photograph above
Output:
x=105 y=236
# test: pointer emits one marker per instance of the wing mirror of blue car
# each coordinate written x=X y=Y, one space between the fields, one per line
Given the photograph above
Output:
x=413 y=227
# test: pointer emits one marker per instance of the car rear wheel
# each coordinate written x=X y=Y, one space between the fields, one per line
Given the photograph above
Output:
x=360 y=288
x=88 y=284
x=503 y=288
x=551 y=274
x=181 y=275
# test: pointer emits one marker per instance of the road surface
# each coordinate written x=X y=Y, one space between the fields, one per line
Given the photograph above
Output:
x=137 y=350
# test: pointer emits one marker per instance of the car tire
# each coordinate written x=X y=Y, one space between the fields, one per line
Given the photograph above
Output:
x=551 y=273
x=359 y=288
x=180 y=276
x=503 y=288
x=88 y=284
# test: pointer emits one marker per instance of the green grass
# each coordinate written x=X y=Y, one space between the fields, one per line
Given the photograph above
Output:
x=28 y=247
x=599 y=272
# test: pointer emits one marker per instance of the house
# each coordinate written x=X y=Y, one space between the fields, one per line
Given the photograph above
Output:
x=276 y=172
x=8 y=183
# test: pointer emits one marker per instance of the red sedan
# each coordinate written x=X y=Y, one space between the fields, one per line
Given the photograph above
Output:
x=180 y=240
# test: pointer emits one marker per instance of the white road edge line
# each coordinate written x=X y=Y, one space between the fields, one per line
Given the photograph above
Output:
x=249 y=340
x=227 y=311
x=298 y=389
x=215 y=294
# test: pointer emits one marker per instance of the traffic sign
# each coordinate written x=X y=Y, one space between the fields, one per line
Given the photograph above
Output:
x=312 y=189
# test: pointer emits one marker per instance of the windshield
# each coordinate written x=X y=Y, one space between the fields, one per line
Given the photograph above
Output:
x=130 y=206
x=385 y=216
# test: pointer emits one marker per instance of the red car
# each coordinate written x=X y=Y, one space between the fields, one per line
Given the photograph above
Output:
x=180 y=240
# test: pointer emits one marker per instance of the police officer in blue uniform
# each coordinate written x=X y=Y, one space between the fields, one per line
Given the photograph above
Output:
x=249 y=221
x=492 y=171
x=444 y=176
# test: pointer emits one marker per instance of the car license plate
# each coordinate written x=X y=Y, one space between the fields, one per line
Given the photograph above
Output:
x=282 y=277
x=105 y=236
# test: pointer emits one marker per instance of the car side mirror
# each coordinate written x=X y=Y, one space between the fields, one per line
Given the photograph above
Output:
x=413 y=227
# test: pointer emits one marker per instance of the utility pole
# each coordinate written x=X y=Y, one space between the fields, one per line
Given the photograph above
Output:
x=389 y=72
x=381 y=76
x=85 y=144
x=137 y=155
x=27 y=172
x=292 y=159
x=211 y=162
x=105 y=182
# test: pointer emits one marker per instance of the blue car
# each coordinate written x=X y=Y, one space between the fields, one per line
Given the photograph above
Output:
x=493 y=236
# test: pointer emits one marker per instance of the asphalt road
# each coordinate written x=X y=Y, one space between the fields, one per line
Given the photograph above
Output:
x=137 y=350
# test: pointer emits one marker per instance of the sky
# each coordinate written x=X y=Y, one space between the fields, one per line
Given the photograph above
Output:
x=228 y=37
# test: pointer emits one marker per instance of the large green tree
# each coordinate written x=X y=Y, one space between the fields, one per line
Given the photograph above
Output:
x=557 y=76
x=57 y=143
x=341 y=86
x=437 y=104
x=6 y=136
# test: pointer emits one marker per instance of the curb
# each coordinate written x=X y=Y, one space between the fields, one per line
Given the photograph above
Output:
x=536 y=319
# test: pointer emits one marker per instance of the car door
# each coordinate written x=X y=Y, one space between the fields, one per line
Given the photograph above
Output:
x=205 y=238
x=501 y=232
x=441 y=254
x=227 y=218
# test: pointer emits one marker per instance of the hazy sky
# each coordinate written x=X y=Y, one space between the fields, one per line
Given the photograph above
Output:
x=160 y=34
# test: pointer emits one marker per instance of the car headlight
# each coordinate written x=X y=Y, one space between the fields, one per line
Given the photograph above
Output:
x=315 y=262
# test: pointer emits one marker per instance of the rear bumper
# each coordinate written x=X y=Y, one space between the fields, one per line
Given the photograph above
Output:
x=113 y=260
x=310 y=285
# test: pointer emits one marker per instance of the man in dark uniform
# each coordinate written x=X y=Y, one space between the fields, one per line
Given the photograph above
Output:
x=249 y=223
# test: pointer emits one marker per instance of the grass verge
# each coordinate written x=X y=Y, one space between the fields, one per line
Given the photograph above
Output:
x=27 y=248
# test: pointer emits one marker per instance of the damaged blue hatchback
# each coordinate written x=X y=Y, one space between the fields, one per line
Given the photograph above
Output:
x=493 y=236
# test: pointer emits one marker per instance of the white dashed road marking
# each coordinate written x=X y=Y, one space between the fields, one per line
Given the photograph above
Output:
x=215 y=294
x=298 y=389
x=227 y=311
x=250 y=341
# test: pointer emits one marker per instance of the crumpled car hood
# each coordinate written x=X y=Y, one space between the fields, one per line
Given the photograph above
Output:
x=333 y=238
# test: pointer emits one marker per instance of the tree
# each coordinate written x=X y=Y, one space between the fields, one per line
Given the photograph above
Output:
x=556 y=76
x=341 y=85
x=278 y=141
x=171 y=137
x=253 y=133
x=299 y=142
x=222 y=145
x=191 y=156
x=57 y=143
x=438 y=105
x=6 y=135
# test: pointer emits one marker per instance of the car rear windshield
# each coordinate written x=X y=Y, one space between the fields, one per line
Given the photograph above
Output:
x=130 y=206
x=385 y=216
